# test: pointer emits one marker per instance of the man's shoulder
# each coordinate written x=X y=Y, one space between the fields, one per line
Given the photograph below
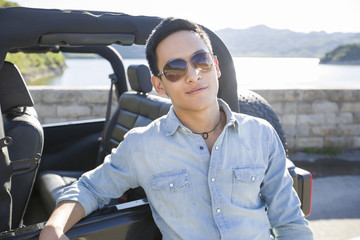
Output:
x=152 y=129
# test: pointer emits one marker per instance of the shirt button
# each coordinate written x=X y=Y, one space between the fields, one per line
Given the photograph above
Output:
x=252 y=178
x=213 y=179
x=201 y=147
x=218 y=210
x=216 y=147
x=171 y=185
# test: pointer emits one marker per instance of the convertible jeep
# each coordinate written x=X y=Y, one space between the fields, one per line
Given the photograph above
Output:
x=38 y=160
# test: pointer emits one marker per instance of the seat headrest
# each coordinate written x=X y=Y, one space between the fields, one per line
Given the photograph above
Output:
x=13 y=90
x=139 y=78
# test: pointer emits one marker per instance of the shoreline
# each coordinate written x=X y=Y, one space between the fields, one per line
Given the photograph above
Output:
x=350 y=63
x=44 y=73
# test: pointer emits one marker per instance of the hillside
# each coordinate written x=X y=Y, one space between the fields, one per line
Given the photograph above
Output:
x=262 y=41
x=345 y=54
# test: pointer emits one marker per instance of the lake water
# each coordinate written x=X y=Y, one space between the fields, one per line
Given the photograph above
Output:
x=252 y=73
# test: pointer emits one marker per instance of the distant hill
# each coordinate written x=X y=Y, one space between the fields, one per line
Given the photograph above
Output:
x=262 y=41
x=345 y=54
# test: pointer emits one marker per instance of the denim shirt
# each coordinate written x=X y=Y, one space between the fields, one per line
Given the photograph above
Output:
x=239 y=191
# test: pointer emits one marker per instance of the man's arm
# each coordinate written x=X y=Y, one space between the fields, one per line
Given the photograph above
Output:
x=284 y=212
x=65 y=215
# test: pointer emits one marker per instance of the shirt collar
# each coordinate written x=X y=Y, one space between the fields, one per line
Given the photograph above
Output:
x=173 y=123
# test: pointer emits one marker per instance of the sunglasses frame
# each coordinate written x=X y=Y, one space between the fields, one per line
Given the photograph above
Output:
x=213 y=57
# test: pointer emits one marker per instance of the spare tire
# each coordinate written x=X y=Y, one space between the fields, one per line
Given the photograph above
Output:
x=253 y=104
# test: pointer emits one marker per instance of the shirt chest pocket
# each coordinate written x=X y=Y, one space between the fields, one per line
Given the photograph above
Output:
x=173 y=192
x=171 y=181
x=246 y=185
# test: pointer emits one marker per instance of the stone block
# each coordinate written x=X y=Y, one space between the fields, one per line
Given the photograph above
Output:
x=288 y=119
x=304 y=108
x=303 y=131
x=350 y=107
x=339 y=118
x=313 y=95
x=292 y=95
x=273 y=95
x=342 y=142
x=45 y=110
x=290 y=108
x=356 y=117
x=349 y=130
x=325 y=107
x=60 y=96
x=322 y=131
x=313 y=142
x=350 y=96
x=311 y=119
x=97 y=96
x=334 y=95
x=99 y=110
x=356 y=142
x=73 y=111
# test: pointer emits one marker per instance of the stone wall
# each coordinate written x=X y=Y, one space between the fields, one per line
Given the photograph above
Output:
x=317 y=118
x=310 y=118
x=57 y=104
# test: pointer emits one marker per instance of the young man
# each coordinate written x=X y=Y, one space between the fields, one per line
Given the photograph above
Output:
x=208 y=173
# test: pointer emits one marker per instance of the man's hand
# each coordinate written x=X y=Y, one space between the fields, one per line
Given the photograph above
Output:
x=65 y=215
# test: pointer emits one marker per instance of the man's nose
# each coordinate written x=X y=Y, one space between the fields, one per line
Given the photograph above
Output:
x=192 y=74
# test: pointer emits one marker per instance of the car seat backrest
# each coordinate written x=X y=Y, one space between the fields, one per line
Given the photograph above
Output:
x=23 y=127
x=136 y=108
x=5 y=181
x=14 y=92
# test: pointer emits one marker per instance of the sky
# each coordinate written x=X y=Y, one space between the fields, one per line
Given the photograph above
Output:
x=296 y=15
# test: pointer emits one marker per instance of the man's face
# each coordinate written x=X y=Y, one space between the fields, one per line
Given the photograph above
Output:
x=197 y=89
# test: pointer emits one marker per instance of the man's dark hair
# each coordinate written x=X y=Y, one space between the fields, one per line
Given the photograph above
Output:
x=167 y=27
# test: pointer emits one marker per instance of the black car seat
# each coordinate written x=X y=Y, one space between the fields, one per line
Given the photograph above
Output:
x=135 y=108
x=5 y=180
x=25 y=131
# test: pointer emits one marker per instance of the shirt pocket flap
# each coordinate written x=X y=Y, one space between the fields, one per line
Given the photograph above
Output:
x=250 y=174
x=171 y=181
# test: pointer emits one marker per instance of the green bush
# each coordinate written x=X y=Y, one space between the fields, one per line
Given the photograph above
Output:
x=4 y=3
x=31 y=62
x=325 y=150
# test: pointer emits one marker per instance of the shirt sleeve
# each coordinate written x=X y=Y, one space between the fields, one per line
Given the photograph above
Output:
x=110 y=180
x=285 y=215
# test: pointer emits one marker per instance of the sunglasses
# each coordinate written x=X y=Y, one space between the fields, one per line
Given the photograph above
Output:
x=175 y=69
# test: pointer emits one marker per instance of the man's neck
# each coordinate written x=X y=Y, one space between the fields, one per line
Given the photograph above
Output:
x=200 y=121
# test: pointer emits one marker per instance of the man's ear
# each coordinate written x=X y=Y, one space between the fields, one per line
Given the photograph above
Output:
x=217 y=67
x=158 y=85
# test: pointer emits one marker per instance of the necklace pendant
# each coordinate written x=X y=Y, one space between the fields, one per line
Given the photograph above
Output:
x=205 y=135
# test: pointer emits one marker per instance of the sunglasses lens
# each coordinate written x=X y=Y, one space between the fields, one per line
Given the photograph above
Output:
x=175 y=69
x=203 y=61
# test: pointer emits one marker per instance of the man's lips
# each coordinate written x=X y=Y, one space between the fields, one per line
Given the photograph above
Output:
x=196 y=90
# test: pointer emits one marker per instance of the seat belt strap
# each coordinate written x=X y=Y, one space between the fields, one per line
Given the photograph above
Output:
x=109 y=103
x=107 y=118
